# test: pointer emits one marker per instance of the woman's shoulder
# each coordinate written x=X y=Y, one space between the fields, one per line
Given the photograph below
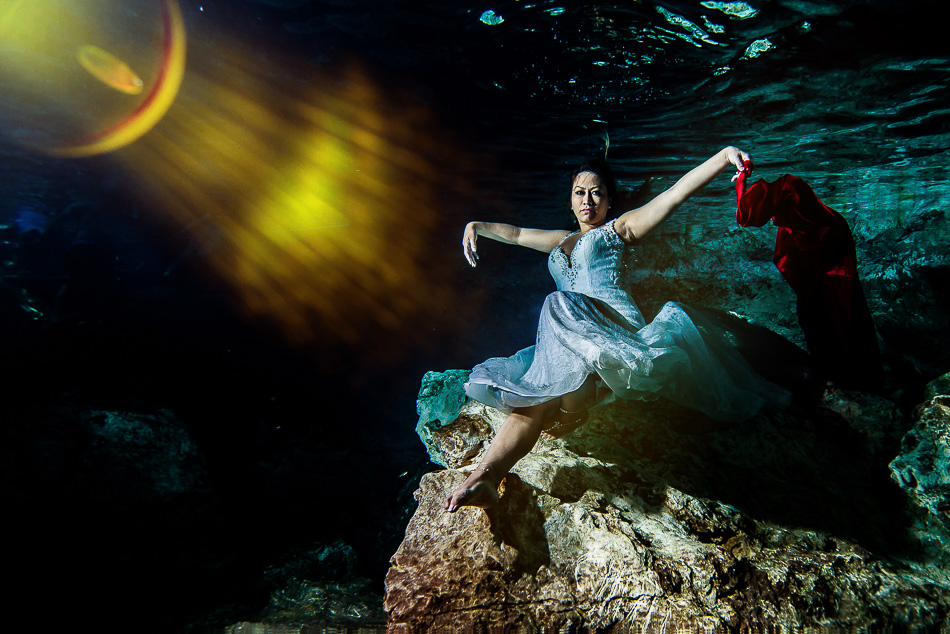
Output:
x=622 y=231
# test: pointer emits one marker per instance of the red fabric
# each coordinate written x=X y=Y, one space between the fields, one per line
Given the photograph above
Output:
x=812 y=239
x=814 y=251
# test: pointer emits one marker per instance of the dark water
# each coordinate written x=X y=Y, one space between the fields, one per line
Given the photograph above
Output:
x=307 y=446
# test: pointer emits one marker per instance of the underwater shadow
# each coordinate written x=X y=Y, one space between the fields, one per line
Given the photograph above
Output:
x=770 y=354
x=802 y=468
x=518 y=522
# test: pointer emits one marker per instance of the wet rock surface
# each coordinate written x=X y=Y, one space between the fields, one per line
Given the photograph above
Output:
x=651 y=516
x=104 y=506
x=115 y=517
x=923 y=470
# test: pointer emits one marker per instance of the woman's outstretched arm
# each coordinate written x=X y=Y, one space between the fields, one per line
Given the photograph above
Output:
x=635 y=224
x=538 y=239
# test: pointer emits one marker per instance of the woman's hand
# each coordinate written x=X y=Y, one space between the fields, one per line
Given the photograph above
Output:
x=738 y=158
x=469 y=237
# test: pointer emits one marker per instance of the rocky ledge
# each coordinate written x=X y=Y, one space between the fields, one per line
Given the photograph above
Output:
x=652 y=518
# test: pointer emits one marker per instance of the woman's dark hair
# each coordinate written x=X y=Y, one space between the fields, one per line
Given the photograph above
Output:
x=601 y=168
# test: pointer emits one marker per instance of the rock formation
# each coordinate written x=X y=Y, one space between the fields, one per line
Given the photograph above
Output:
x=652 y=518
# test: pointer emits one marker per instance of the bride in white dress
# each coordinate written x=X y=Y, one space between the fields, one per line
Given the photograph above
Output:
x=591 y=335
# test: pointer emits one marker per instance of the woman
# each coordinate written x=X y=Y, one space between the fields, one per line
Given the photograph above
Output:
x=591 y=335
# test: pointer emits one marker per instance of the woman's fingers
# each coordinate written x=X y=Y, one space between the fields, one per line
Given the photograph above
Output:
x=469 y=255
x=468 y=246
x=739 y=158
x=743 y=159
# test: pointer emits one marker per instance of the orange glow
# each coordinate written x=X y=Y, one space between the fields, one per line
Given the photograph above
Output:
x=312 y=194
x=109 y=69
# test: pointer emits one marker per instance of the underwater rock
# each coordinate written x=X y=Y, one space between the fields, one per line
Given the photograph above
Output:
x=347 y=603
x=873 y=416
x=115 y=505
x=654 y=516
x=121 y=461
x=440 y=399
x=319 y=562
x=317 y=588
x=923 y=471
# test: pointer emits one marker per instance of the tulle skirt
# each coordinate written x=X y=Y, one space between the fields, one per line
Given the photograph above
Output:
x=675 y=356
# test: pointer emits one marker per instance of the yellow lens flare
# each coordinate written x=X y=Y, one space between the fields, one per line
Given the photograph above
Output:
x=313 y=195
x=155 y=104
x=109 y=69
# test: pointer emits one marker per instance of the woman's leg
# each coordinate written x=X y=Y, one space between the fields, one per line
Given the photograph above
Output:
x=514 y=440
x=582 y=397
x=517 y=436
x=572 y=410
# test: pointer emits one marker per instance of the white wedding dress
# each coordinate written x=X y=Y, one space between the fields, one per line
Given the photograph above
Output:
x=591 y=324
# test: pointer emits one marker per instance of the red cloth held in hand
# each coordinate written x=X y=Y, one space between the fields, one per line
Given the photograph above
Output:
x=814 y=251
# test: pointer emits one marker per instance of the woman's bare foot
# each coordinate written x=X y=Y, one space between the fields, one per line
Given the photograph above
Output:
x=480 y=490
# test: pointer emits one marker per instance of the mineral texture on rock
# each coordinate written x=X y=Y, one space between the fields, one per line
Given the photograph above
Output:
x=440 y=398
x=651 y=518
x=923 y=470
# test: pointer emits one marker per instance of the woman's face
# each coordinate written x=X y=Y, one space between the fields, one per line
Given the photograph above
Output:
x=589 y=200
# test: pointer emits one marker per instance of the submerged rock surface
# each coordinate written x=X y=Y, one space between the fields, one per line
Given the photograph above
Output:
x=652 y=516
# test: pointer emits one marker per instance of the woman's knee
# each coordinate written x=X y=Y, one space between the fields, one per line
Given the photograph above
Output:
x=538 y=412
x=579 y=398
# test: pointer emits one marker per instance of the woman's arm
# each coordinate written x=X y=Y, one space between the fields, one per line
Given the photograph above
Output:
x=635 y=224
x=538 y=239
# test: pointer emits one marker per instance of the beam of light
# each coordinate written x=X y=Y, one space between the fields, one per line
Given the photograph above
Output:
x=314 y=201
x=109 y=69
x=311 y=193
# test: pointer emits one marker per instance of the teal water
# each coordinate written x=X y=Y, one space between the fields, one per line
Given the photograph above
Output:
x=103 y=306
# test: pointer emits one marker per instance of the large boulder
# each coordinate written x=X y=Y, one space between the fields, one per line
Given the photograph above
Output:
x=653 y=516
x=923 y=470
x=116 y=507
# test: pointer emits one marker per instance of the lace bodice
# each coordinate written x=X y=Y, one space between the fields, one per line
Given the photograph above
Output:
x=597 y=267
